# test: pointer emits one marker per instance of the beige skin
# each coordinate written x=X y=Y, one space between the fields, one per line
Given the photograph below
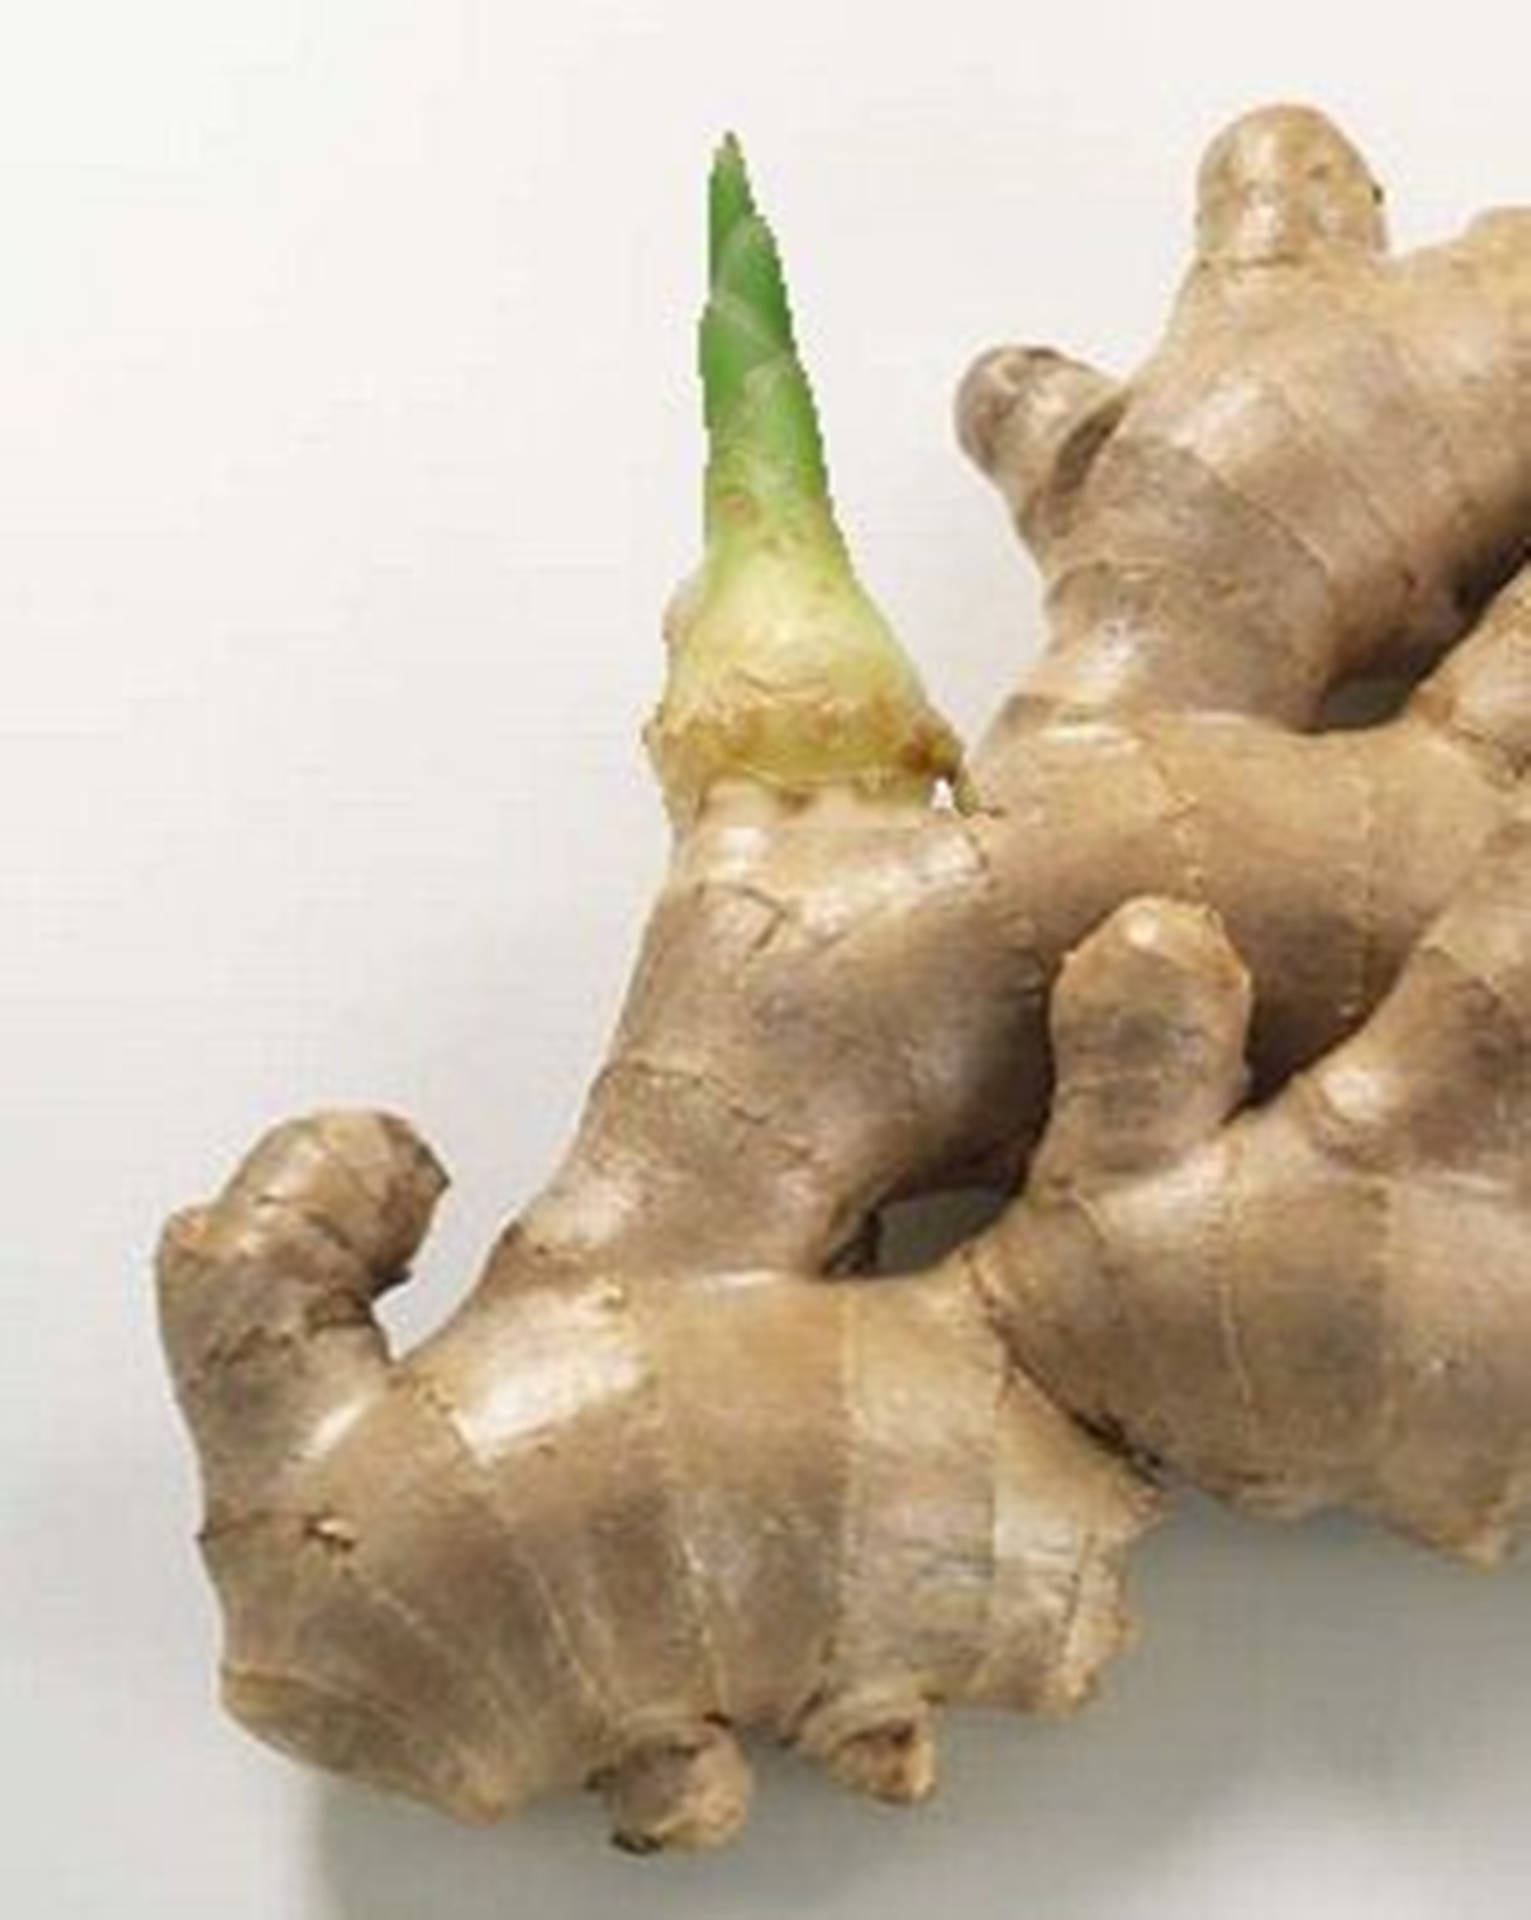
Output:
x=658 y=1481
x=1327 y=1300
x=597 y=1522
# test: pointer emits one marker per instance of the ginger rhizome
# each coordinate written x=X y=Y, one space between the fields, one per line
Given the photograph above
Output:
x=680 y=1468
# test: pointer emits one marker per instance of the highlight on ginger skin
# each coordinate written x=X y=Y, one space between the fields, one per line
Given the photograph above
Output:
x=669 y=1479
x=782 y=670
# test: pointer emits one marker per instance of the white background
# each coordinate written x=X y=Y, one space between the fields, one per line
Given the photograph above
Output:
x=347 y=451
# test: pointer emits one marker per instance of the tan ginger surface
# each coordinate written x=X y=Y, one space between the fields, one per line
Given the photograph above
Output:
x=1326 y=1300
x=670 y=1474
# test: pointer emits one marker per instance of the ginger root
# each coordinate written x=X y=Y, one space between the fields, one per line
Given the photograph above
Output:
x=672 y=1473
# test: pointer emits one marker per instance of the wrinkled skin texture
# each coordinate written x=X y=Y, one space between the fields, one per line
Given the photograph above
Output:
x=663 y=1479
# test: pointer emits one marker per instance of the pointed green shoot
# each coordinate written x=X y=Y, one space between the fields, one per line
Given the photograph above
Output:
x=765 y=457
x=782 y=671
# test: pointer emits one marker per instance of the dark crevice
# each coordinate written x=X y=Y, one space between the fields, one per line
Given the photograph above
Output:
x=914 y=1234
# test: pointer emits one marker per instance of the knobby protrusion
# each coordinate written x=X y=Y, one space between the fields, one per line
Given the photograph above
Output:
x=782 y=670
x=1149 y=1018
x=1284 y=184
x=688 y=1789
x=1031 y=419
x=266 y=1293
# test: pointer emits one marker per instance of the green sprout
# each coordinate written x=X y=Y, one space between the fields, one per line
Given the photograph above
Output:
x=782 y=670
